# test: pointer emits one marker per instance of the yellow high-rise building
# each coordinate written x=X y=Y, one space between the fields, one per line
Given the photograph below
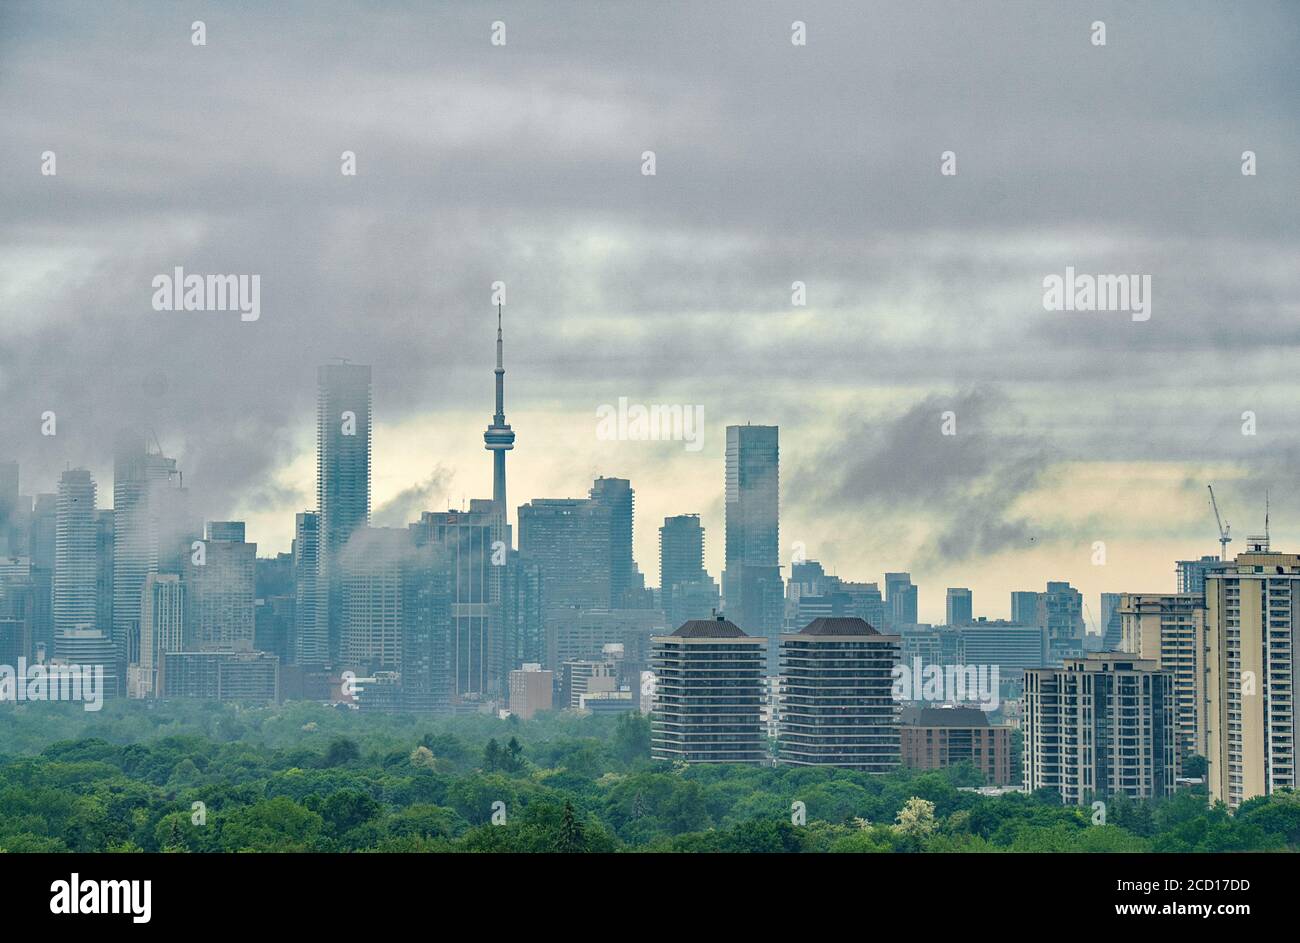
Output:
x=1250 y=639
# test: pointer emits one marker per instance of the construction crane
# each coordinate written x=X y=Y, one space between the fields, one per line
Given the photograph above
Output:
x=1224 y=529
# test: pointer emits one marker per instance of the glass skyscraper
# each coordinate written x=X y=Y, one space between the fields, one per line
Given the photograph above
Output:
x=752 y=587
x=343 y=415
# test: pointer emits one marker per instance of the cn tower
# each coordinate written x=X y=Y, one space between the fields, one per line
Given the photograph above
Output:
x=499 y=437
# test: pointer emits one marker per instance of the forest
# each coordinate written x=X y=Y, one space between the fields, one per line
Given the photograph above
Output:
x=194 y=776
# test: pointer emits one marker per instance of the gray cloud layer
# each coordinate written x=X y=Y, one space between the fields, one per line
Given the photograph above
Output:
x=775 y=163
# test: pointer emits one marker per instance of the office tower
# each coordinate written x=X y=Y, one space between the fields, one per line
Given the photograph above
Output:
x=428 y=671
x=865 y=602
x=1024 y=608
x=21 y=601
x=10 y=542
x=625 y=583
x=1191 y=574
x=343 y=417
x=476 y=647
x=938 y=737
x=752 y=496
x=273 y=625
x=239 y=677
x=709 y=690
x=960 y=608
x=900 y=600
x=808 y=578
x=752 y=588
x=523 y=612
x=569 y=540
x=499 y=437
x=1111 y=624
x=221 y=590
x=75 y=564
x=370 y=571
x=1169 y=629
x=162 y=630
x=1099 y=726
x=1250 y=714
x=104 y=569
x=681 y=555
x=531 y=690
x=1012 y=648
x=895 y=583
x=150 y=521
x=311 y=640
x=837 y=706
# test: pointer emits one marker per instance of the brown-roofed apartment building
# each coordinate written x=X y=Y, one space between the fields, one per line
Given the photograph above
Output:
x=935 y=737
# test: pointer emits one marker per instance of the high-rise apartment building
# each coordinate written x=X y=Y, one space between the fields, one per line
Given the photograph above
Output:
x=75 y=560
x=837 y=704
x=1191 y=574
x=1100 y=726
x=343 y=441
x=220 y=579
x=151 y=527
x=370 y=573
x=162 y=630
x=1169 y=629
x=1112 y=629
x=681 y=555
x=709 y=690
x=1251 y=639
x=1059 y=612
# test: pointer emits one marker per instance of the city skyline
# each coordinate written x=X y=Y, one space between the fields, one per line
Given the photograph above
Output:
x=776 y=164
x=933 y=609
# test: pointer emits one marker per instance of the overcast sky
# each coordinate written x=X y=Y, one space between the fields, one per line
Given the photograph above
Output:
x=775 y=163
